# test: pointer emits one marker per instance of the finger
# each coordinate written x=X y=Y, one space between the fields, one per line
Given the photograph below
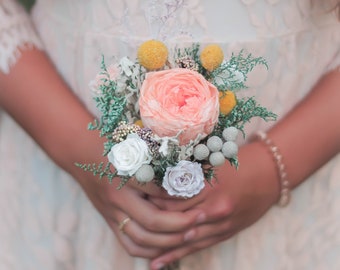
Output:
x=178 y=203
x=168 y=221
x=175 y=204
x=159 y=240
x=204 y=231
x=145 y=238
x=153 y=219
x=216 y=209
x=149 y=188
x=132 y=248
x=212 y=210
x=176 y=254
x=133 y=203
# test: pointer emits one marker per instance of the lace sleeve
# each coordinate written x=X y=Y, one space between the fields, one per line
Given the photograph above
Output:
x=16 y=32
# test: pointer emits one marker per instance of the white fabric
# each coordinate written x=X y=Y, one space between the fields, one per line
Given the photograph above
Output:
x=16 y=32
x=48 y=223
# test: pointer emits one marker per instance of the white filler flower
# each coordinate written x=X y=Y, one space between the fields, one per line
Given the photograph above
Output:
x=186 y=179
x=129 y=155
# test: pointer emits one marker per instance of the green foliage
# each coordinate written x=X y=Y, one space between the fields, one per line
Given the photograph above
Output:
x=232 y=74
x=209 y=173
x=112 y=109
x=100 y=170
x=110 y=105
x=246 y=64
x=243 y=112
x=123 y=181
x=234 y=162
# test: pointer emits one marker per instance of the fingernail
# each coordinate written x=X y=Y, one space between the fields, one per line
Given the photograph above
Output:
x=189 y=235
x=200 y=218
x=159 y=265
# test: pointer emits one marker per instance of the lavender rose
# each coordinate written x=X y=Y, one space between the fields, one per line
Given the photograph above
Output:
x=186 y=179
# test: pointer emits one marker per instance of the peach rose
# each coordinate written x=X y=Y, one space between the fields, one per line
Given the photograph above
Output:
x=179 y=100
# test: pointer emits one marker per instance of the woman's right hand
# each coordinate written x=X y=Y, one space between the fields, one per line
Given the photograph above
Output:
x=39 y=100
x=150 y=231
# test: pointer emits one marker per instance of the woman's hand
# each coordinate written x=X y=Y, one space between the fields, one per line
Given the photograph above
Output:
x=234 y=202
x=150 y=231
x=241 y=198
x=39 y=100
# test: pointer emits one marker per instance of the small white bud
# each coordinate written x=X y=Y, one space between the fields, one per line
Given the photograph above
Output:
x=230 y=149
x=145 y=173
x=214 y=143
x=201 y=152
x=230 y=133
x=216 y=159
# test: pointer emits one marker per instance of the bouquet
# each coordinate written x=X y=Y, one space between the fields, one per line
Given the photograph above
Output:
x=172 y=117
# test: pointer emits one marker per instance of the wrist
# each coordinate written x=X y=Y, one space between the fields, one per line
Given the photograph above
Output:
x=256 y=177
x=85 y=148
x=262 y=169
x=284 y=185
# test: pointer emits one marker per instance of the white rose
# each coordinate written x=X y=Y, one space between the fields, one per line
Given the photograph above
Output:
x=186 y=179
x=129 y=155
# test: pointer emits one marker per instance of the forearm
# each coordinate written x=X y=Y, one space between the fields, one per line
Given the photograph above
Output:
x=307 y=138
x=309 y=135
x=40 y=101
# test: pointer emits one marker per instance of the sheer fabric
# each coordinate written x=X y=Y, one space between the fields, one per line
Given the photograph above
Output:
x=16 y=32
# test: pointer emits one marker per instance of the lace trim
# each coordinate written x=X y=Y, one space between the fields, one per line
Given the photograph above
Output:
x=173 y=18
x=16 y=34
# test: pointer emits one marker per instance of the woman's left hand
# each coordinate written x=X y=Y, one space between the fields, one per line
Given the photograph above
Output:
x=236 y=201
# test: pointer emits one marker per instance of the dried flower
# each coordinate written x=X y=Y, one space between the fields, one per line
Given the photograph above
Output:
x=187 y=62
x=147 y=135
x=145 y=173
x=139 y=123
x=230 y=133
x=227 y=102
x=211 y=57
x=216 y=159
x=230 y=149
x=152 y=54
x=201 y=151
x=123 y=130
x=214 y=143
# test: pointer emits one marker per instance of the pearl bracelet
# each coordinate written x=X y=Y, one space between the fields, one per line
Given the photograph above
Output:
x=283 y=178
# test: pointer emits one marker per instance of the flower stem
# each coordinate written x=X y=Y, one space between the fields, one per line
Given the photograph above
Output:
x=173 y=266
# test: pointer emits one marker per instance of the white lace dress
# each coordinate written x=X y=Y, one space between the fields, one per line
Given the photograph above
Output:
x=46 y=221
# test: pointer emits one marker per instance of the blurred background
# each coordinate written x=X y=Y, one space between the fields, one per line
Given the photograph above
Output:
x=27 y=3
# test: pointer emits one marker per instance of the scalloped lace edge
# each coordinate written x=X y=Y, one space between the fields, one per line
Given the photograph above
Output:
x=16 y=35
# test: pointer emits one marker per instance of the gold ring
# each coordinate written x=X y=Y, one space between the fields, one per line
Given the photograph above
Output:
x=123 y=223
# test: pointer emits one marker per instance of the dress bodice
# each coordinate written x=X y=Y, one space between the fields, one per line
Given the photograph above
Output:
x=292 y=35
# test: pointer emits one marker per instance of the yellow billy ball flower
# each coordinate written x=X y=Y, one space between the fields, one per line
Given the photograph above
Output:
x=227 y=102
x=139 y=123
x=211 y=57
x=152 y=54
